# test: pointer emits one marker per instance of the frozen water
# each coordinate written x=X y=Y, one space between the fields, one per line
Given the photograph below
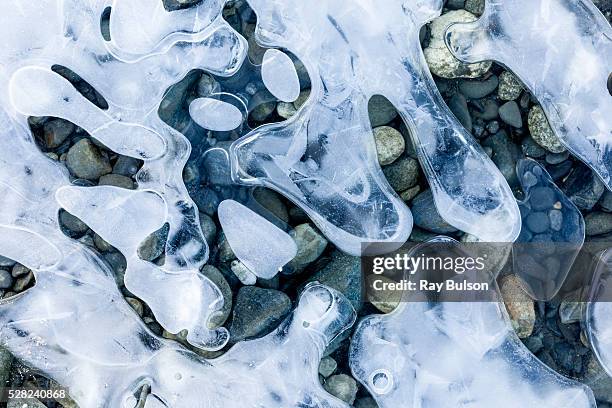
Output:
x=67 y=33
x=214 y=114
x=91 y=341
x=599 y=311
x=430 y=354
x=279 y=75
x=562 y=53
x=324 y=158
x=260 y=245
x=552 y=233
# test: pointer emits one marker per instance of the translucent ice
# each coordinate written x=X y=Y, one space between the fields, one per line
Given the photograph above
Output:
x=92 y=342
x=430 y=354
x=67 y=34
x=279 y=75
x=562 y=53
x=324 y=158
x=599 y=311
x=214 y=114
x=260 y=245
x=552 y=233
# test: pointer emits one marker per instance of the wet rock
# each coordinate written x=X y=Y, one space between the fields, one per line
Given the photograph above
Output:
x=207 y=200
x=116 y=180
x=285 y=109
x=257 y=312
x=261 y=112
x=488 y=110
x=56 y=131
x=342 y=386
x=458 y=105
x=301 y=99
x=209 y=228
x=367 y=402
x=556 y=158
x=126 y=166
x=101 y=244
x=402 y=174
x=510 y=87
x=136 y=305
x=71 y=225
x=381 y=111
x=6 y=279
x=440 y=60
x=86 y=161
x=505 y=155
x=519 y=306
x=598 y=223
x=207 y=85
x=4 y=261
x=541 y=132
x=19 y=270
x=343 y=273
x=426 y=215
x=219 y=317
x=598 y=380
x=475 y=7
x=272 y=202
x=389 y=144
x=532 y=149
x=310 y=245
x=510 y=113
x=409 y=194
x=327 y=366
x=478 y=89
x=154 y=245
x=583 y=187
x=226 y=253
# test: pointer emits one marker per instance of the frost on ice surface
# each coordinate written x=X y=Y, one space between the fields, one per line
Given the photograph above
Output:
x=324 y=158
x=67 y=34
x=562 y=53
x=552 y=233
x=599 y=311
x=431 y=354
x=279 y=75
x=260 y=245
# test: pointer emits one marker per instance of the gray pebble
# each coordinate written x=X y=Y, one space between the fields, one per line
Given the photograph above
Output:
x=381 y=111
x=474 y=89
x=402 y=174
x=219 y=317
x=154 y=245
x=426 y=215
x=116 y=180
x=542 y=198
x=56 y=131
x=583 y=187
x=505 y=155
x=342 y=386
x=510 y=113
x=458 y=105
x=510 y=87
x=310 y=245
x=343 y=273
x=390 y=144
x=6 y=280
x=209 y=228
x=541 y=132
x=257 y=312
x=598 y=223
x=126 y=166
x=75 y=226
x=272 y=202
x=556 y=158
x=532 y=149
x=327 y=366
x=86 y=161
x=537 y=222
x=4 y=261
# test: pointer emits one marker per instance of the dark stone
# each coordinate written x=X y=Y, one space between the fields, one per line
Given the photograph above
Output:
x=474 y=89
x=426 y=215
x=505 y=155
x=257 y=312
x=343 y=273
x=402 y=174
x=458 y=105
x=510 y=113
x=583 y=187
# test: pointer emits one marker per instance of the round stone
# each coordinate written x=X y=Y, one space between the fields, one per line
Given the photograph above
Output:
x=537 y=222
x=381 y=111
x=390 y=144
x=541 y=132
x=86 y=161
x=440 y=60
x=510 y=87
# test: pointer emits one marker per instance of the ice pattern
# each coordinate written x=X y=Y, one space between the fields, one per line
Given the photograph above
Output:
x=562 y=54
